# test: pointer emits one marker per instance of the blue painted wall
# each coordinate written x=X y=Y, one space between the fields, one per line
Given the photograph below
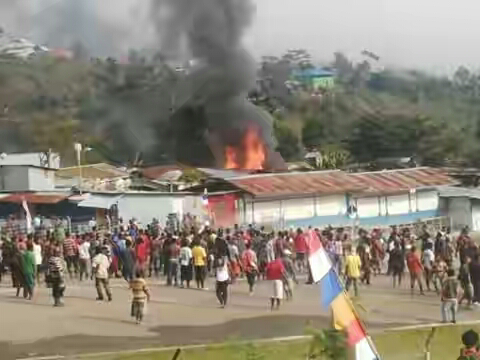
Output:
x=337 y=220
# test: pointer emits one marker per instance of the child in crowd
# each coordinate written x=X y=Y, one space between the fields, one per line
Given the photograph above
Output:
x=140 y=294
x=449 y=297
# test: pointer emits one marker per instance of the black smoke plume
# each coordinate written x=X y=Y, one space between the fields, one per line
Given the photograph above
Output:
x=215 y=112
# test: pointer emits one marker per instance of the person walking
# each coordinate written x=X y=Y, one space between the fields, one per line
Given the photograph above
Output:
x=173 y=255
x=466 y=282
x=29 y=270
x=250 y=266
x=397 y=264
x=100 y=266
x=140 y=294
x=290 y=278
x=449 y=297
x=128 y=260
x=37 y=252
x=83 y=257
x=17 y=269
x=428 y=259
x=70 y=254
x=416 y=269
x=223 y=278
x=56 y=277
x=185 y=264
x=276 y=273
x=353 y=265
x=475 y=276
x=199 y=262
x=300 y=247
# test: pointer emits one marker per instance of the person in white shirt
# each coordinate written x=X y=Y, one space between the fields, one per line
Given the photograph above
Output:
x=37 y=253
x=223 y=278
x=100 y=265
x=186 y=269
x=84 y=257
x=428 y=258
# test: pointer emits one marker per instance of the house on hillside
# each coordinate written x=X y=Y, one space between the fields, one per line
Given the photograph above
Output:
x=328 y=197
x=315 y=78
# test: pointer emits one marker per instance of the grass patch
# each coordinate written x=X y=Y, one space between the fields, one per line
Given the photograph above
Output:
x=392 y=345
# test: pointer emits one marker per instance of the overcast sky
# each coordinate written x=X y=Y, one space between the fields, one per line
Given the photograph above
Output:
x=435 y=35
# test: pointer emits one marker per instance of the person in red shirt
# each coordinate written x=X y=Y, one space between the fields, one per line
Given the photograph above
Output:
x=300 y=246
x=249 y=260
x=276 y=273
x=141 y=251
x=416 y=269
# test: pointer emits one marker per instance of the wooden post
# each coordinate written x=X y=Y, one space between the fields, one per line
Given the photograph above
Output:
x=428 y=342
x=177 y=354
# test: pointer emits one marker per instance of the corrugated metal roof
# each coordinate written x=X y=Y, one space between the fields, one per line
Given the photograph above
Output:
x=34 y=198
x=452 y=192
x=296 y=184
x=92 y=171
x=224 y=173
x=392 y=181
x=337 y=182
x=100 y=201
x=156 y=172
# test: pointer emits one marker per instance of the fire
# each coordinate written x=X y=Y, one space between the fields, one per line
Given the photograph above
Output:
x=250 y=155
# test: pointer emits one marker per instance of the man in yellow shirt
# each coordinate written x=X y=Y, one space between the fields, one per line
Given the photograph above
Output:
x=353 y=265
x=199 y=262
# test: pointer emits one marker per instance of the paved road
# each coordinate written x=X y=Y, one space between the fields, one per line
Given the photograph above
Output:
x=182 y=316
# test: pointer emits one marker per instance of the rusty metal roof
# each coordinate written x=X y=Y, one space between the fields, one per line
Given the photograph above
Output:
x=34 y=198
x=394 y=181
x=339 y=182
x=296 y=184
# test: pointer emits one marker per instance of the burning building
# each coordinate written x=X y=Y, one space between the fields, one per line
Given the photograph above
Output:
x=215 y=124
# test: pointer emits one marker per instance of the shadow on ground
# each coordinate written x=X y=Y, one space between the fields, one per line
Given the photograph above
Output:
x=240 y=329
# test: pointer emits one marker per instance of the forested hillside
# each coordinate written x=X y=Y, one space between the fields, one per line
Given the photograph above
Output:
x=121 y=110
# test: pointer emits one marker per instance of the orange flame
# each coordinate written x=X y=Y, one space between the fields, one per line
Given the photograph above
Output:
x=250 y=156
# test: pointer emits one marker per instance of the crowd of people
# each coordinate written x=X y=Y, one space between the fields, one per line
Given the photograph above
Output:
x=190 y=253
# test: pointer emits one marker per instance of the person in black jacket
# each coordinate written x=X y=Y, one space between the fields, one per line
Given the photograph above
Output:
x=397 y=264
x=475 y=276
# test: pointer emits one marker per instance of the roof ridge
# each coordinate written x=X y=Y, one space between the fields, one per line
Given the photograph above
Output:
x=241 y=177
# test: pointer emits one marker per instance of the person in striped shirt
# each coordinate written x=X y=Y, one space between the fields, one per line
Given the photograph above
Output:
x=70 y=253
x=140 y=294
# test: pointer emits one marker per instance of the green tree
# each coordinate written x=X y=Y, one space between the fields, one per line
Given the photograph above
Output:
x=313 y=134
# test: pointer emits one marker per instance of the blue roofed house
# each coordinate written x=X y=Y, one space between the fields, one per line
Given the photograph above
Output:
x=314 y=77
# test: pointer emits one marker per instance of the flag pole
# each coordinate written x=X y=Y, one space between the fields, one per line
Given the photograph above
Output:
x=354 y=310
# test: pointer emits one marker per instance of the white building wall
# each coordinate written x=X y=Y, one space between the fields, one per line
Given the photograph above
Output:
x=41 y=179
x=331 y=205
x=475 y=214
x=383 y=205
x=427 y=200
x=460 y=212
x=145 y=207
x=398 y=204
x=14 y=178
x=267 y=212
x=298 y=208
x=368 y=207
